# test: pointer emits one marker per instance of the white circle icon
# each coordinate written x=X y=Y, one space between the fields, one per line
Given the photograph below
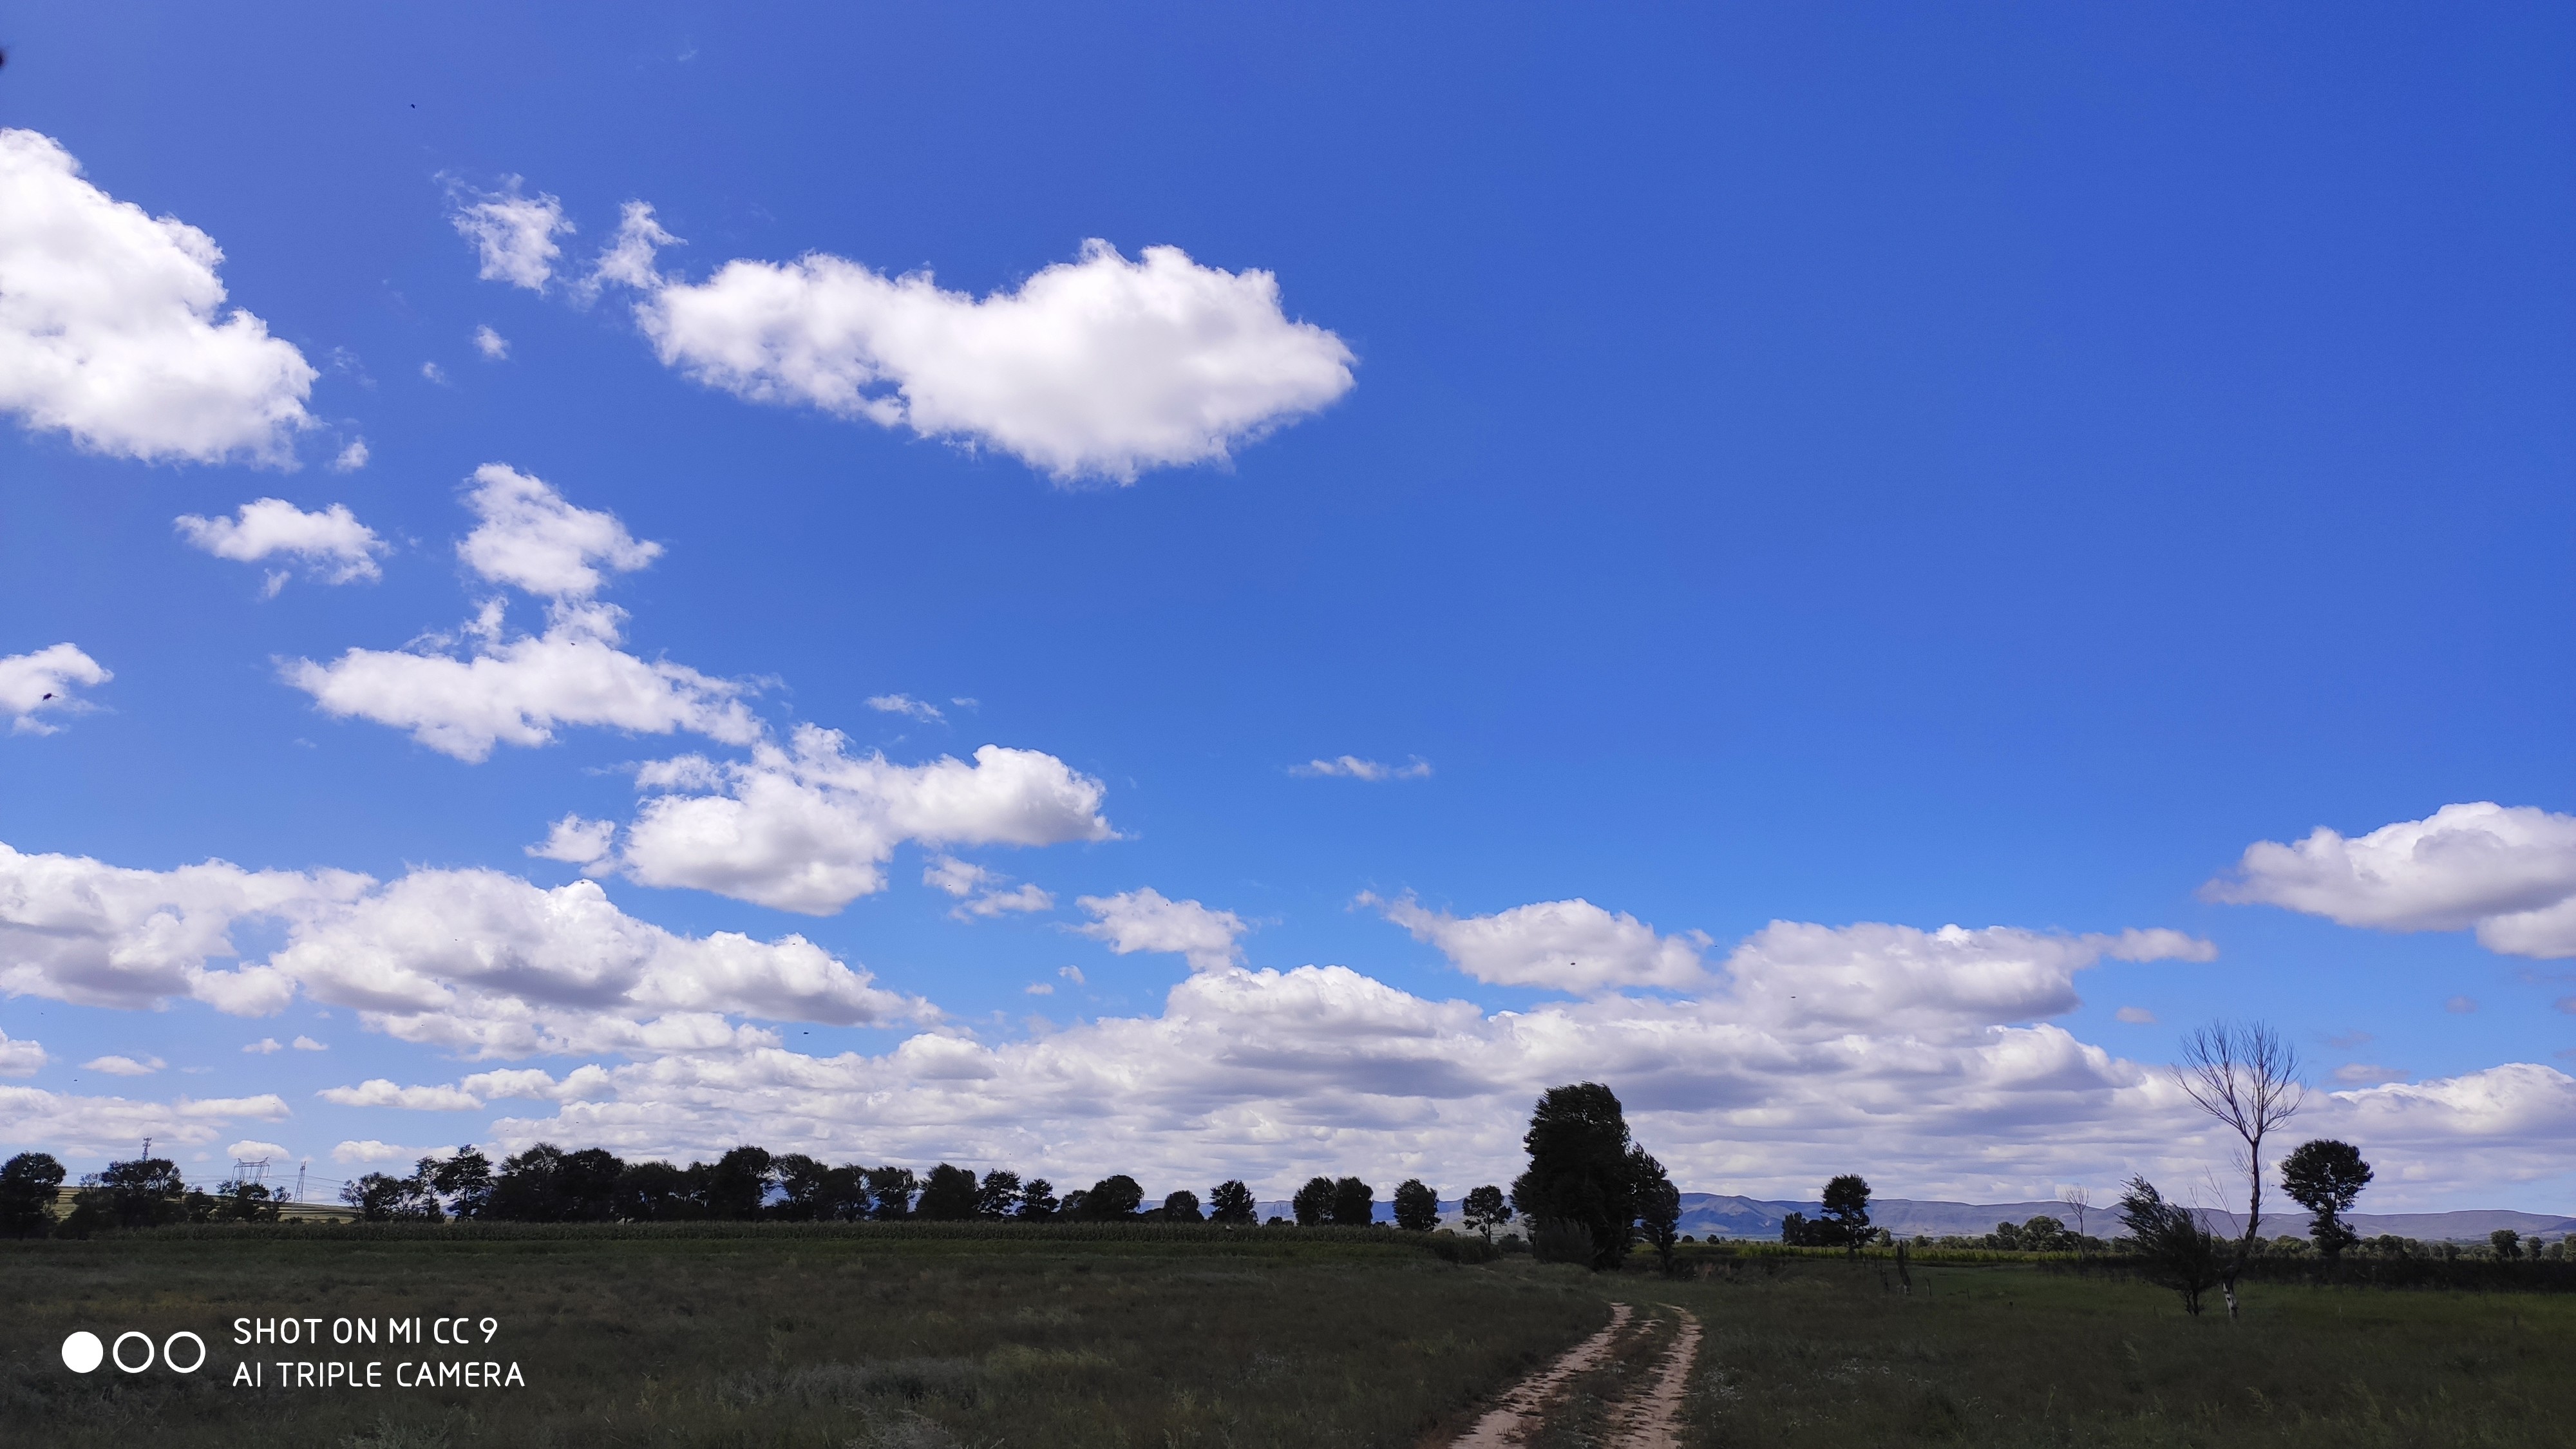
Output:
x=82 y=1352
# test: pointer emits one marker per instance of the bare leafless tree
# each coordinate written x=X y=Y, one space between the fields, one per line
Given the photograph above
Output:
x=2247 y=1077
x=2079 y=1202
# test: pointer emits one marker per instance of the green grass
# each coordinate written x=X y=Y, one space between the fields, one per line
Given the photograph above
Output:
x=922 y=1337
x=1818 y=1352
x=856 y=1337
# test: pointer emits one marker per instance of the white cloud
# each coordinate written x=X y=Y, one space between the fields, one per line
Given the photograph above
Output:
x=1039 y=988
x=332 y=544
x=2460 y=1005
x=20 y=1058
x=531 y=538
x=473 y=961
x=379 y=1092
x=1561 y=945
x=1072 y=974
x=2135 y=1016
x=1096 y=368
x=904 y=704
x=1143 y=920
x=521 y=691
x=576 y=841
x=109 y=1126
x=808 y=827
x=265 y=1046
x=980 y=890
x=432 y=373
x=109 y=328
x=121 y=1066
x=1352 y=767
x=2510 y=872
x=251 y=1149
x=491 y=344
x=513 y=234
x=628 y=260
x=351 y=458
x=42 y=682
x=580 y=1084
x=368 y=1151
x=1883 y=978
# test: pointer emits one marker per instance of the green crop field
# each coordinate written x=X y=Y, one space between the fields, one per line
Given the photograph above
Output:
x=878 y=1335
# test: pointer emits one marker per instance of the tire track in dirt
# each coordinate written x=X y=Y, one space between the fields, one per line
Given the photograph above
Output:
x=1508 y=1423
x=1653 y=1419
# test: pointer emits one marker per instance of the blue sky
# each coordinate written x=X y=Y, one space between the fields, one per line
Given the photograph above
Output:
x=1861 y=466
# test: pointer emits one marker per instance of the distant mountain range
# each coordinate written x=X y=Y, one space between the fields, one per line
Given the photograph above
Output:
x=1716 y=1215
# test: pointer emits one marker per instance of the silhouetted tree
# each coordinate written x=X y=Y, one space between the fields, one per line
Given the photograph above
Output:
x=1231 y=1203
x=2171 y=1243
x=29 y=1184
x=383 y=1198
x=654 y=1192
x=738 y=1184
x=890 y=1193
x=947 y=1195
x=1112 y=1199
x=546 y=1184
x=1354 y=1203
x=238 y=1200
x=2325 y=1177
x=1417 y=1206
x=1069 y=1208
x=998 y=1196
x=145 y=1192
x=462 y=1180
x=2506 y=1242
x=1038 y=1201
x=1183 y=1207
x=1578 y=1169
x=1313 y=1203
x=2248 y=1078
x=1845 y=1217
x=802 y=1182
x=1659 y=1205
x=1485 y=1210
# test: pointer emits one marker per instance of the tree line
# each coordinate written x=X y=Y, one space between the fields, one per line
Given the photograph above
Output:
x=1588 y=1195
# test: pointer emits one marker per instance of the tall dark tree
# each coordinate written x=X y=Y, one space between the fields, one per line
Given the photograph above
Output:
x=1485 y=1210
x=1182 y=1207
x=144 y=1192
x=1231 y=1203
x=890 y=1193
x=654 y=1192
x=1659 y=1205
x=1578 y=1168
x=998 y=1196
x=1845 y=1216
x=29 y=1186
x=546 y=1184
x=802 y=1184
x=2171 y=1243
x=1313 y=1203
x=462 y=1180
x=1417 y=1206
x=738 y=1185
x=947 y=1195
x=1113 y=1199
x=1038 y=1202
x=1354 y=1203
x=2325 y=1177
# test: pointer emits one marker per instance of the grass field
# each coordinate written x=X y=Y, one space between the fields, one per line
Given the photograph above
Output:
x=874 y=1338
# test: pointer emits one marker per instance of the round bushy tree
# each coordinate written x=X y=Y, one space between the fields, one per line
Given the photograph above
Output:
x=1313 y=1203
x=948 y=1195
x=1417 y=1207
x=1230 y=1202
x=1183 y=1207
x=1579 y=1172
x=2325 y=1176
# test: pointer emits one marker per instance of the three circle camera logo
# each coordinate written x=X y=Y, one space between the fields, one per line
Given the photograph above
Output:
x=82 y=1352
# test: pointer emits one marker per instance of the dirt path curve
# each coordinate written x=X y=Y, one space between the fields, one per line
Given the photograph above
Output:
x=1653 y=1420
x=1509 y=1422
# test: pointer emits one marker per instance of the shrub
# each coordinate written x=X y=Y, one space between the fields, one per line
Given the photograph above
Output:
x=2172 y=1246
x=1560 y=1240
